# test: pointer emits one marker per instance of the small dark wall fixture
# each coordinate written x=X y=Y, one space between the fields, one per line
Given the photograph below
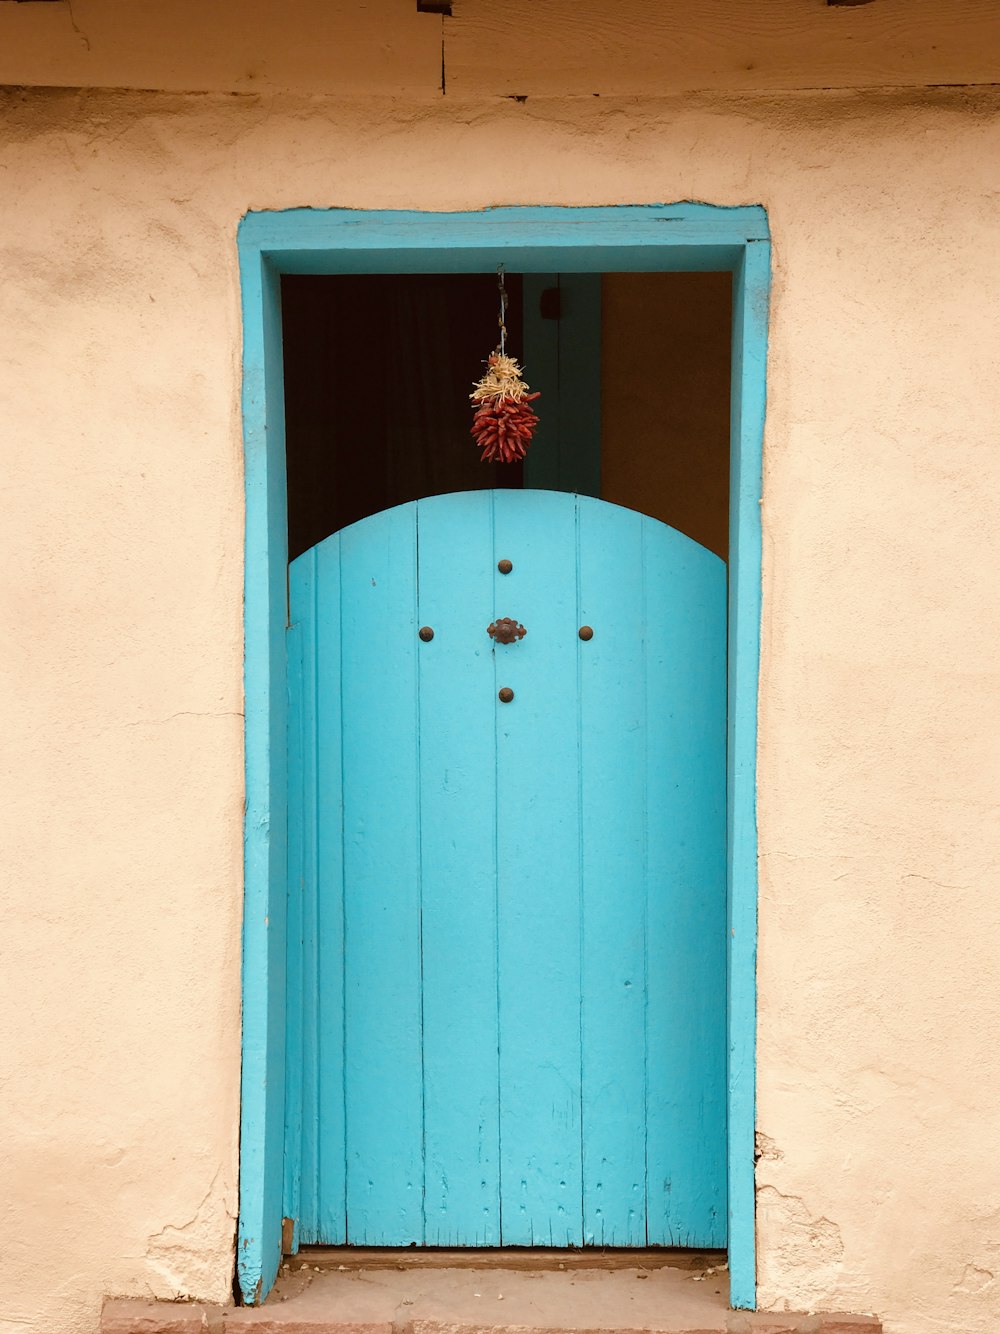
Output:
x=434 y=7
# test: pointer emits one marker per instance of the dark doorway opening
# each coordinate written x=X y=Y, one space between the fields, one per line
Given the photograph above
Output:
x=378 y=372
x=633 y=369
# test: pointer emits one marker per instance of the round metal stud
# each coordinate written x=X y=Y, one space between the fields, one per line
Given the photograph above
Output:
x=505 y=566
x=586 y=632
x=426 y=633
x=505 y=695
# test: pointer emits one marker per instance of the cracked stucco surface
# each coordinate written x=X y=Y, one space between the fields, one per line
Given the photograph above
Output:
x=122 y=485
x=182 y=1258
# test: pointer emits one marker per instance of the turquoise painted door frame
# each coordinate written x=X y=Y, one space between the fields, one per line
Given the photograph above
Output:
x=672 y=238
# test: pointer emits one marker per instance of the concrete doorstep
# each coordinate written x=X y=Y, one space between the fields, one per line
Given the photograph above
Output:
x=323 y=1295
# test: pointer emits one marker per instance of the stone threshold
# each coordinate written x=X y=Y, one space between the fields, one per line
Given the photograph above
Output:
x=345 y=1292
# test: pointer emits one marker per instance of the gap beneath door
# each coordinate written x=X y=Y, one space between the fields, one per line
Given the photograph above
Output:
x=536 y=1258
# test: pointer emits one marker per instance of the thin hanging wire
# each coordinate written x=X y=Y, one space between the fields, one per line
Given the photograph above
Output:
x=502 y=318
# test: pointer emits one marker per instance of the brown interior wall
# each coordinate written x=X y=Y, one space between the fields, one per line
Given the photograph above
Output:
x=665 y=368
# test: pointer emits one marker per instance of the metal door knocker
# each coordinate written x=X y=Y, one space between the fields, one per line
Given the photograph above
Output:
x=505 y=631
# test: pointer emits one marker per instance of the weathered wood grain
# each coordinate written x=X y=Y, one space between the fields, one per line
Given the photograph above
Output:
x=538 y=841
x=650 y=48
x=612 y=672
x=328 y=1030
x=383 y=1063
x=685 y=623
x=458 y=854
x=334 y=46
x=517 y=48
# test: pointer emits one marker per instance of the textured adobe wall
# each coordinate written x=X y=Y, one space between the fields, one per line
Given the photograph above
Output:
x=121 y=551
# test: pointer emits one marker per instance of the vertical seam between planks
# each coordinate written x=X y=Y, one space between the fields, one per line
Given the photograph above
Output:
x=343 y=874
x=644 y=601
x=420 y=884
x=581 y=894
x=496 y=868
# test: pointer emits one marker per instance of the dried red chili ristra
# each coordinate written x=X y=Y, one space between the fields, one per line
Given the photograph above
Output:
x=503 y=422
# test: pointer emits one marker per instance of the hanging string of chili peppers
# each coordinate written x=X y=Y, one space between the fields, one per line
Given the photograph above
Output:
x=504 y=421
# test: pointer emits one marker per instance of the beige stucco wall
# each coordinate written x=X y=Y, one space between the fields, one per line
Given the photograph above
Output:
x=879 y=1041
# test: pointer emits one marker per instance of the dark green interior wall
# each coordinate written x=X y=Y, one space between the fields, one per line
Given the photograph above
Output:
x=561 y=348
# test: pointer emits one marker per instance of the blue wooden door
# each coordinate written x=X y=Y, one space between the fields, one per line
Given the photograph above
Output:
x=508 y=1017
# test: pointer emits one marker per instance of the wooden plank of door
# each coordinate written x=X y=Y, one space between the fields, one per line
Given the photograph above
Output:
x=685 y=617
x=458 y=870
x=304 y=596
x=538 y=851
x=383 y=1077
x=331 y=1180
x=297 y=821
x=613 y=804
